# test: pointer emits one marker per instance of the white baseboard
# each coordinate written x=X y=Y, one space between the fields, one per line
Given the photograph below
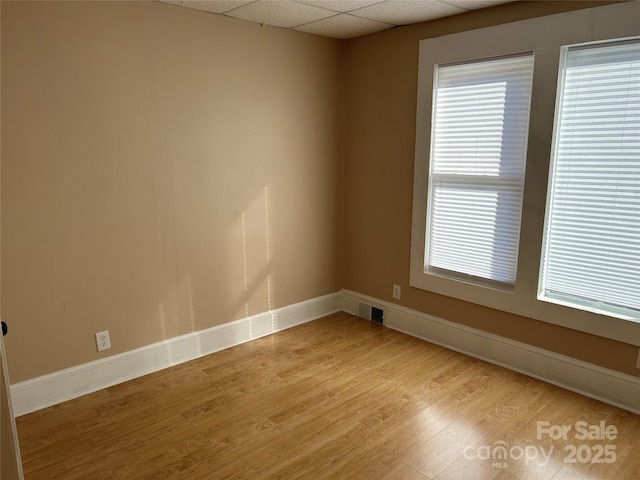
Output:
x=596 y=382
x=608 y=386
x=57 y=387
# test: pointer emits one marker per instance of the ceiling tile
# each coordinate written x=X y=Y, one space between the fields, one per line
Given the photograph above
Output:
x=403 y=12
x=343 y=26
x=213 y=6
x=279 y=14
x=340 y=5
x=308 y=15
x=476 y=4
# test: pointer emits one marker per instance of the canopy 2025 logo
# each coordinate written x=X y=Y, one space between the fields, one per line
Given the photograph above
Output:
x=499 y=453
x=581 y=430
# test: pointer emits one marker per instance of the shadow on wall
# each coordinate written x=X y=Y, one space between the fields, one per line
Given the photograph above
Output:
x=249 y=277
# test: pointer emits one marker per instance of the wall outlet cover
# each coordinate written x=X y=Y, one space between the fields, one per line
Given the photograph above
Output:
x=396 y=292
x=102 y=341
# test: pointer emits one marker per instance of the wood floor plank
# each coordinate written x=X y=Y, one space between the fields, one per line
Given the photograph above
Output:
x=337 y=398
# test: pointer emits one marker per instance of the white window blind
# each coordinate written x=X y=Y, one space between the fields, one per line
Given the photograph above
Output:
x=478 y=150
x=591 y=255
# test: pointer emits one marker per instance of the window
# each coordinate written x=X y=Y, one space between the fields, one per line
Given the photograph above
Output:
x=591 y=250
x=476 y=177
x=527 y=257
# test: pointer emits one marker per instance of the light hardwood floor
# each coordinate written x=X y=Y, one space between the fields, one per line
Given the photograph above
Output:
x=337 y=398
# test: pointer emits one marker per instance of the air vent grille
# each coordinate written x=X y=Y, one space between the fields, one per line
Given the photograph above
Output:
x=377 y=315
x=371 y=313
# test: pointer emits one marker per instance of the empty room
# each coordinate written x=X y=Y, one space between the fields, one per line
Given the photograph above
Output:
x=320 y=239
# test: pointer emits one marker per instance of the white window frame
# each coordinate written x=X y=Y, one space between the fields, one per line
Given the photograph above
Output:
x=544 y=37
x=596 y=306
x=512 y=183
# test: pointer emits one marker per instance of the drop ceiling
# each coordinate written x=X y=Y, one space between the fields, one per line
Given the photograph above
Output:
x=336 y=18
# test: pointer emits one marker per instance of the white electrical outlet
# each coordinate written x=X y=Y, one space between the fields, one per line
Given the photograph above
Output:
x=396 y=292
x=102 y=341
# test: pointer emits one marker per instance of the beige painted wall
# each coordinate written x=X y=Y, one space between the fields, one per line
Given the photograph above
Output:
x=9 y=450
x=381 y=75
x=163 y=171
x=166 y=170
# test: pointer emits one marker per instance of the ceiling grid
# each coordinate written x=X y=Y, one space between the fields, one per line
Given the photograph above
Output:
x=336 y=18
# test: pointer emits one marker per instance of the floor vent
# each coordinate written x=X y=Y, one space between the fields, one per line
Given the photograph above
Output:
x=377 y=315
x=371 y=313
